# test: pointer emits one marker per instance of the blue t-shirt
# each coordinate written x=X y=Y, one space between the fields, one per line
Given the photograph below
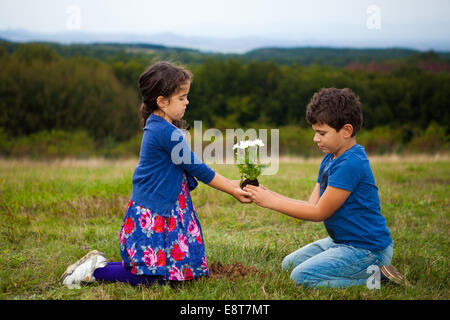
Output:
x=358 y=222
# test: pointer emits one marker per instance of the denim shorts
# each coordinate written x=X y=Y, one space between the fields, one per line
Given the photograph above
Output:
x=325 y=263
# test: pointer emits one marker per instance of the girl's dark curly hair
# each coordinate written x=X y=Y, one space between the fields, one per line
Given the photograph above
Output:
x=161 y=79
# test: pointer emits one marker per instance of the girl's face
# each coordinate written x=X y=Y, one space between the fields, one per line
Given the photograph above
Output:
x=175 y=105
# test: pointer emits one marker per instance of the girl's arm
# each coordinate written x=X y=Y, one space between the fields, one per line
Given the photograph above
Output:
x=221 y=183
x=330 y=201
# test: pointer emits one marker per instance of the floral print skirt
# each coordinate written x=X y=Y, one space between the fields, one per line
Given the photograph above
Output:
x=171 y=248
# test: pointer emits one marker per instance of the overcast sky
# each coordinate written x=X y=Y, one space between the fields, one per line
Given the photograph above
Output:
x=419 y=21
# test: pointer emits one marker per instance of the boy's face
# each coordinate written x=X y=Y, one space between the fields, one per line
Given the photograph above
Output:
x=328 y=139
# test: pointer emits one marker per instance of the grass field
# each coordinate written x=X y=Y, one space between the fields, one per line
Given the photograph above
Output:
x=53 y=213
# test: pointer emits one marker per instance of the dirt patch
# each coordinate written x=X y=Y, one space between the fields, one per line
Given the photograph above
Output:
x=231 y=271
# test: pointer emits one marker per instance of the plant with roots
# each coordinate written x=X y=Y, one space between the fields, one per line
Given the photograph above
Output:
x=247 y=156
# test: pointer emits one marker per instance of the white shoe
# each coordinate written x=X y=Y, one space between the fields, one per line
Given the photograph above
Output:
x=83 y=269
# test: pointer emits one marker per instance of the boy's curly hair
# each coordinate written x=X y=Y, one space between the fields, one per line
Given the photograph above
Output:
x=335 y=107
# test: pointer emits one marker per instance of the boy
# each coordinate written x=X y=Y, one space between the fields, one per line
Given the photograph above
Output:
x=345 y=198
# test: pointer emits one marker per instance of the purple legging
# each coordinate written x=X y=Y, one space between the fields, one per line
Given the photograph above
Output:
x=114 y=271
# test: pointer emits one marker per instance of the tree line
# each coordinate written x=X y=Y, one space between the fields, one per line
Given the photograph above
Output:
x=40 y=90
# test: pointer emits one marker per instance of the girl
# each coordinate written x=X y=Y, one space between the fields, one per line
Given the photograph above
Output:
x=161 y=238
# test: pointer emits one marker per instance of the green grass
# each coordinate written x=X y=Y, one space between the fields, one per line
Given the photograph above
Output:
x=53 y=213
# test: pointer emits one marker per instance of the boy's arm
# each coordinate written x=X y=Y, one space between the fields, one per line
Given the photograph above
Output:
x=313 y=198
x=315 y=195
x=330 y=201
x=277 y=194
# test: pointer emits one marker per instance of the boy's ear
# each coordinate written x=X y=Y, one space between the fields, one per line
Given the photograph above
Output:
x=347 y=130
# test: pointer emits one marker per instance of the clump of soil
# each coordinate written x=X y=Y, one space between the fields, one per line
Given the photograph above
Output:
x=248 y=181
x=230 y=271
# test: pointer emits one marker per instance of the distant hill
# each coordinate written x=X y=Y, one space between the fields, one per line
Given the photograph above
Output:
x=205 y=44
x=118 y=51
x=328 y=56
x=143 y=52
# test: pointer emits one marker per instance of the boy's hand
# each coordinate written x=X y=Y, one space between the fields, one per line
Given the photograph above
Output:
x=260 y=195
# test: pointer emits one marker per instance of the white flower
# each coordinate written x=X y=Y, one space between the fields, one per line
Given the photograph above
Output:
x=241 y=145
x=247 y=143
x=257 y=142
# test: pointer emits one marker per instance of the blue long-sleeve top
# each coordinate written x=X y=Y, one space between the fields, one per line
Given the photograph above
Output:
x=164 y=156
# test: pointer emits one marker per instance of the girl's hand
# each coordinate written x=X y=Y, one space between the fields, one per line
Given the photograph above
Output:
x=232 y=187
x=236 y=183
x=260 y=195
x=241 y=195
